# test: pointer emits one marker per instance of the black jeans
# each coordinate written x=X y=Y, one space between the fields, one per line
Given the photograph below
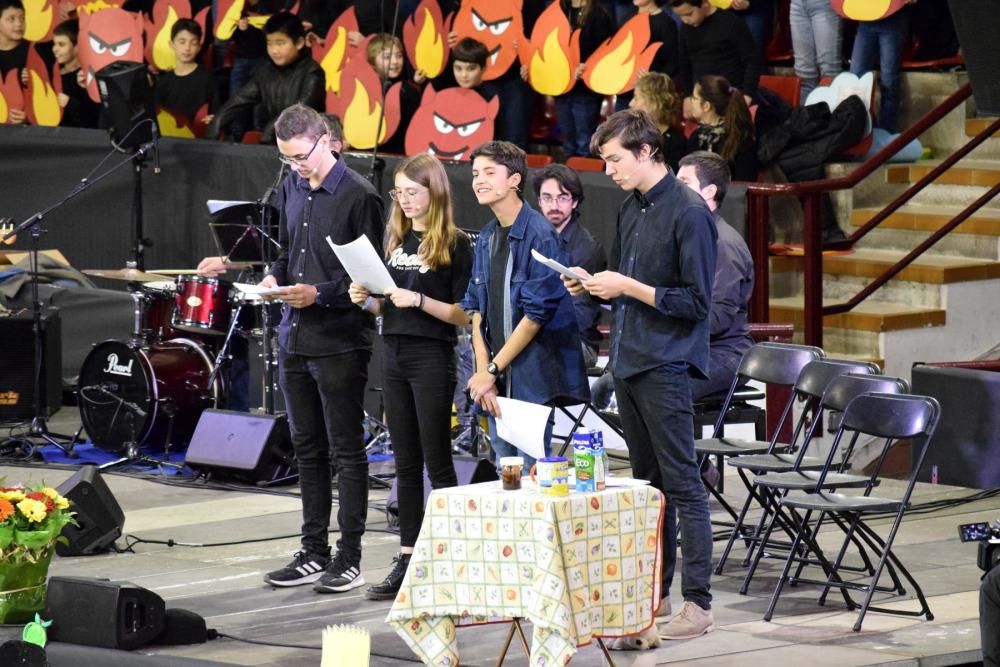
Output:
x=417 y=389
x=656 y=414
x=989 y=617
x=324 y=399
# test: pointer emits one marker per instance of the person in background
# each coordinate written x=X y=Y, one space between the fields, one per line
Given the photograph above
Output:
x=188 y=87
x=817 y=35
x=724 y=125
x=716 y=41
x=759 y=17
x=78 y=109
x=13 y=46
x=560 y=194
x=655 y=94
x=879 y=45
x=385 y=55
x=430 y=261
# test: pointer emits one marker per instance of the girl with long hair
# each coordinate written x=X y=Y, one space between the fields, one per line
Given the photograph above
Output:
x=724 y=125
x=656 y=95
x=430 y=261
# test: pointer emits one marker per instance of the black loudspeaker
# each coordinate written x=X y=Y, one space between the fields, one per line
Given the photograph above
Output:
x=127 y=98
x=245 y=446
x=108 y=614
x=98 y=514
x=17 y=365
x=468 y=469
x=980 y=51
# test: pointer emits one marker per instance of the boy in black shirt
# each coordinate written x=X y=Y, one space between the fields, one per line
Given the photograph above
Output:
x=715 y=41
x=188 y=87
x=78 y=109
x=13 y=47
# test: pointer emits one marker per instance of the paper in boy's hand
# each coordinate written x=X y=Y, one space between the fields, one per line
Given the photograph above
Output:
x=556 y=266
x=522 y=424
x=257 y=290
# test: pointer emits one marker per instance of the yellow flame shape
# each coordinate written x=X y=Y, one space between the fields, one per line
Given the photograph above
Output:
x=866 y=10
x=361 y=120
x=722 y=4
x=429 y=51
x=258 y=21
x=333 y=61
x=169 y=127
x=95 y=6
x=37 y=19
x=549 y=72
x=227 y=26
x=163 y=56
x=4 y=109
x=613 y=71
x=44 y=101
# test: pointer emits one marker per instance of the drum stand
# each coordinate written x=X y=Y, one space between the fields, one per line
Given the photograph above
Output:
x=132 y=452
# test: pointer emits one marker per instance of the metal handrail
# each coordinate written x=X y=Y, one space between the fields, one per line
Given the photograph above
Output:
x=758 y=195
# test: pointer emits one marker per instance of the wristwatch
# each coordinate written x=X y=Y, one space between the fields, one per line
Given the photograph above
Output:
x=492 y=369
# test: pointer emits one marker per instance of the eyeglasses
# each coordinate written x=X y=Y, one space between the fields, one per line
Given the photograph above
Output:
x=397 y=194
x=562 y=199
x=298 y=159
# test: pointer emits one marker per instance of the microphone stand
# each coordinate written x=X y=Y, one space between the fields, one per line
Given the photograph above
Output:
x=267 y=245
x=39 y=428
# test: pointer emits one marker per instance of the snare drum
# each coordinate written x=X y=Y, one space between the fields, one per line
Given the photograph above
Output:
x=201 y=305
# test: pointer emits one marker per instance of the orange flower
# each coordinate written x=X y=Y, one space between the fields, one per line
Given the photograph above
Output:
x=6 y=509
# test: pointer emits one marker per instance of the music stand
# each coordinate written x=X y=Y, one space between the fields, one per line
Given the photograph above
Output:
x=239 y=232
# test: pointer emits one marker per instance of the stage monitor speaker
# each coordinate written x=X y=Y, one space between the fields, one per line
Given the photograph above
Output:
x=246 y=446
x=468 y=470
x=17 y=365
x=980 y=51
x=108 y=614
x=127 y=98
x=99 y=517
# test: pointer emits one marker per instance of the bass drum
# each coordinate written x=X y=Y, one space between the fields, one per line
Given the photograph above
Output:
x=148 y=395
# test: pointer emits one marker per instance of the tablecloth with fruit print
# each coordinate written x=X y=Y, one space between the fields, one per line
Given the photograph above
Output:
x=577 y=567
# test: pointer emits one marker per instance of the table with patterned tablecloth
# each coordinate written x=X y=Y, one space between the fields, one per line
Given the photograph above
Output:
x=578 y=567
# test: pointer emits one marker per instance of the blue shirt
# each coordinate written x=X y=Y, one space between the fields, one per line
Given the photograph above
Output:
x=665 y=239
x=550 y=370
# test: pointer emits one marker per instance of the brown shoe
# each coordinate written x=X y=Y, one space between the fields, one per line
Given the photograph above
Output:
x=692 y=621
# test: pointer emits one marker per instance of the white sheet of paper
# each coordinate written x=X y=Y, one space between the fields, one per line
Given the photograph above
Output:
x=522 y=424
x=216 y=205
x=555 y=266
x=259 y=290
x=363 y=264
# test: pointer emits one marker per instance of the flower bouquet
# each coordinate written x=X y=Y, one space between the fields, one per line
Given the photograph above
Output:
x=31 y=520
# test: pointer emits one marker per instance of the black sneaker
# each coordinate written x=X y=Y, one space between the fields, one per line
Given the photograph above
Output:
x=340 y=576
x=390 y=585
x=303 y=569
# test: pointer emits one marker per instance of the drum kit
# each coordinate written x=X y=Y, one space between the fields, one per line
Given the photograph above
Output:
x=150 y=390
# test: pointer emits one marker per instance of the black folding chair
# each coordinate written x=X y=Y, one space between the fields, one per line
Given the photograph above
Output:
x=890 y=418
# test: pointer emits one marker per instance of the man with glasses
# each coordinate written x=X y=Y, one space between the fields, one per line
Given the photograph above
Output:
x=325 y=342
x=560 y=194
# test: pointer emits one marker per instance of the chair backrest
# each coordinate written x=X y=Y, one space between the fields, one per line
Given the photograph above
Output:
x=844 y=389
x=777 y=363
x=817 y=375
x=537 y=160
x=789 y=88
x=585 y=164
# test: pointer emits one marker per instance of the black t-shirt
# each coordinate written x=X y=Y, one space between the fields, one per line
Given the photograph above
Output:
x=499 y=252
x=186 y=94
x=447 y=284
x=80 y=111
x=16 y=58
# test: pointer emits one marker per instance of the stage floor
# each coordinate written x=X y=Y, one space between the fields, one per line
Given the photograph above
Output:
x=224 y=585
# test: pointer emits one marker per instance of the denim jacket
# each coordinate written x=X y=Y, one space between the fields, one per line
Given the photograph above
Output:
x=550 y=370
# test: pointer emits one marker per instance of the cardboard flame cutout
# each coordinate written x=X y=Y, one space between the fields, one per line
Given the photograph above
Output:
x=165 y=15
x=553 y=53
x=39 y=20
x=178 y=125
x=41 y=104
x=424 y=39
x=496 y=23
x=613 y=68
x=451 y=123
x=867 y=10
x=11 y=96
x=335 y=52
x=229 y=15
x=106 y=37
x=360 y=106
x=721 y=4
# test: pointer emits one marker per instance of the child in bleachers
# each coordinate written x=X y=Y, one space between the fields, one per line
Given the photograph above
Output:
x=289 y=76
x=13 y=47
x=385 y=55
x=655 y=94
x=468 y=63
x=188 y=87
x=724 y=125
x=78 y=109
x=662 y=29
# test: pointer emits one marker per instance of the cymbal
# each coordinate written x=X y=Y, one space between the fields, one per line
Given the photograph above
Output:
x=131 y=275
x=175 y=272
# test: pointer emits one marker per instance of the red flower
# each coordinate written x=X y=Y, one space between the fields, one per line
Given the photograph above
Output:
x=6 y=509
x=42 y=498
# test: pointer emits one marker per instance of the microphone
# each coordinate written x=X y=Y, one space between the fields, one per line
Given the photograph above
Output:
x=628 y=176
x=274 y=186
x=156 y=148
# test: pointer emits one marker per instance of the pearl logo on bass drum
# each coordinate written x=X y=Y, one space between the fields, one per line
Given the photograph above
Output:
x=114 y=368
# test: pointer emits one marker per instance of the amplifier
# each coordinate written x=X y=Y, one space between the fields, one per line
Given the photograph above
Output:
x=17 y=365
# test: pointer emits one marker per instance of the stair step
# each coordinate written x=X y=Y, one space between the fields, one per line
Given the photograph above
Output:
x=868 y=263
x=866 y=316
x=966 y=172
x=924 y=218
x=973 y=126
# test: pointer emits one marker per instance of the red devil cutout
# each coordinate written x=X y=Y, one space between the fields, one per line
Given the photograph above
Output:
x=496 y=23
x=451 y=123
x=106 y=37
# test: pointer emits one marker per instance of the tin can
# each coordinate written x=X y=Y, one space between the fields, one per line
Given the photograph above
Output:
x=583 y=463
x=553 y=475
